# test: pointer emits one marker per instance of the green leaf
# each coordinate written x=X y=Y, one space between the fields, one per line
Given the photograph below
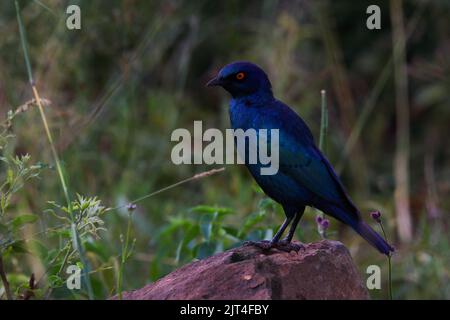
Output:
x=80 y=265
x=178 y=251
x=175 y=224
x=98 y=249
x=55 y=281
x=251 y=221
x=230 y=230
x=190 y=234
x=18 y=279
x=4 y=201
x=23 y=219
x=211 y=210
x=266 y=203
x=206 y=228
x=19 y=247
x=65 y=233
x=206 y=249
x=256 y=188
x=9 y=176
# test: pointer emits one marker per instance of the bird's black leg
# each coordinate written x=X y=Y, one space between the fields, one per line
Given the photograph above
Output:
x=294 y=224
x=265 y=244
x=285 y=244
x=280 y=231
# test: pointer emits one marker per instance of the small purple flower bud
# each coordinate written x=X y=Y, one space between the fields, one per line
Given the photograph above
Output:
x=325 y=223
x=322 y=226
x=131 y=207
x=319 y=220
x=376 y=215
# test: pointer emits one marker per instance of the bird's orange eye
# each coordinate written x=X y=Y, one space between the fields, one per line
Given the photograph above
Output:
x=240 y=76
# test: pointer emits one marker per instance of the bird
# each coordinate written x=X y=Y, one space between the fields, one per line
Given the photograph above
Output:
x=305 y=176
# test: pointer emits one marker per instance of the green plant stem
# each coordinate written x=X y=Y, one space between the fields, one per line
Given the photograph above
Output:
x=384 y=232
x=61 y=268
x=9 y=295
x=195 y=177
x=54 y=152
x=323 y=138
x=323 y=122
x=86 y=269
x=389 y=263
x=52 y=145
x=24 y=43
x=124 y=257
x=390 y=277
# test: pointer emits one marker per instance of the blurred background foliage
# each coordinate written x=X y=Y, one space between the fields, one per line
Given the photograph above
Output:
x=136 y=71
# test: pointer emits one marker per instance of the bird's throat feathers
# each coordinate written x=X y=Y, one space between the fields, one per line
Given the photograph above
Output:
x=257 y=99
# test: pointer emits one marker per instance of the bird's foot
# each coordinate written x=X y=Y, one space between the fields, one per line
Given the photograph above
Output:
x=282 y=245
x=288 y=246
x=263 y=244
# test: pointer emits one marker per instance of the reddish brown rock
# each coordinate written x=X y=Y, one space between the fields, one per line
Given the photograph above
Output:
x=323 y=270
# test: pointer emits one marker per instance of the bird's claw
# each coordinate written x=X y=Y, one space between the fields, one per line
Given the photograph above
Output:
x=263 y=244
x=289 y=246
x=282 y=245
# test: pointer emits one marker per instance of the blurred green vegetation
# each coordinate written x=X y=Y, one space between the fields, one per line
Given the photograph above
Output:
x=136 y=71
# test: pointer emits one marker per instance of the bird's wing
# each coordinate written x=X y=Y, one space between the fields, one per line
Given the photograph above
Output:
x=311 y=169
x=300 y=159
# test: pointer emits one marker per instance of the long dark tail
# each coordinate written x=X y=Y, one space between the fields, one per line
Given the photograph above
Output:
x=373 y=238
x=354 y=220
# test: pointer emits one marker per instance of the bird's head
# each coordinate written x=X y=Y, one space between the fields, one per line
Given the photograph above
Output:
x=242 y=79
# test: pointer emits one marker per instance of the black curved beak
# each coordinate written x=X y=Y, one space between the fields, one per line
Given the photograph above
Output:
x=214 y=82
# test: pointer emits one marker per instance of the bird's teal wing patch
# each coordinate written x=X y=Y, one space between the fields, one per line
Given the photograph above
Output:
x=305 y=164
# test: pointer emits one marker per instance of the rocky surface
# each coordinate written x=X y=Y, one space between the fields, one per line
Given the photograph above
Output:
x=322 y=270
